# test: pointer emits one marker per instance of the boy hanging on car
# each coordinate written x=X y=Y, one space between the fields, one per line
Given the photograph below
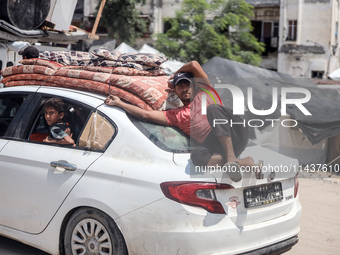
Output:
x=59 y=131
x=220 y=145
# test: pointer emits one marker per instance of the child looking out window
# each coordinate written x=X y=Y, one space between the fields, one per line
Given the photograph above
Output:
x=59 y=132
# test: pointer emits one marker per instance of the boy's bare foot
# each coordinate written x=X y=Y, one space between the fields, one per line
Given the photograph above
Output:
x=234 y=168
x=247 y=161
x=234 y=171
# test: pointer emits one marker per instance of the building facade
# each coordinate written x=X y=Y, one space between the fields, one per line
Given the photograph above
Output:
x=301 y=36
x=266 y=22
x=308 y=45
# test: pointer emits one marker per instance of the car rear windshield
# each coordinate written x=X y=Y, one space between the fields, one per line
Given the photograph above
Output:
x=167 y=138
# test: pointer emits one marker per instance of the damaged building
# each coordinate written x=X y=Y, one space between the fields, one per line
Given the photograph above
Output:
x=308 y=45
x=300 y=36
x=265 y=22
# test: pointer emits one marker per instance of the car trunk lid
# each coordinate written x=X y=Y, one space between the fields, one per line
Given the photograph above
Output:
x=253 y=200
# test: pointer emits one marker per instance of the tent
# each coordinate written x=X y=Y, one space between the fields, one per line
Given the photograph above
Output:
x=324 y=104
x=124 y=48
x=148 y=49
x=335 y=75
x=312 y=130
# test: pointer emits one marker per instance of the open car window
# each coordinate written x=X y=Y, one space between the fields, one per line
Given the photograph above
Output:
x=76 y=116
x=90 y=130
x=9 y=106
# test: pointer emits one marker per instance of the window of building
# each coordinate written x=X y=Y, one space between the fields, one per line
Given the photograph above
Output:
x=317 y=74
x=147 y=21
x=166 y=26
x=292 y=30
x=275 y=29
x=185 y=25
x=268 y=33
x=257 y=29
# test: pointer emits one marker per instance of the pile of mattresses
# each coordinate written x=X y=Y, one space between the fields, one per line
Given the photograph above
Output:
x=136 y=78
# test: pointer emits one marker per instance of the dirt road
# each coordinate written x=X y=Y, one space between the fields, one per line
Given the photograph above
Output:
x=320 y=223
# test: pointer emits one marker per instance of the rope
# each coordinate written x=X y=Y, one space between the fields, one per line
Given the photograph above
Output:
x=110 y=78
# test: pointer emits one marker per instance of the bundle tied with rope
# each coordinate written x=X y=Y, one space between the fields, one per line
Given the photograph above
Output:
x=135 y=78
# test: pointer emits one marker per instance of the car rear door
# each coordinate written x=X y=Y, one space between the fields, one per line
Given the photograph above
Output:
x=36 y=177
x=13 y=106
x=34 y=189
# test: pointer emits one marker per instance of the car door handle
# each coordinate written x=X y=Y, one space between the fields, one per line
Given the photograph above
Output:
x=64 y=165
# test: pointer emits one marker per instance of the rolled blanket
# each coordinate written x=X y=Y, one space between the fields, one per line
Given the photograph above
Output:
x=90 y=86
x=118 y=70
x=145 y=88
x=146 y=59
x=107 y=57
x=153 y=90
x=41 y=62
x=27 y=69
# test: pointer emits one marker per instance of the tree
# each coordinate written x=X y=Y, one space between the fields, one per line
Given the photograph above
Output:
x=228 y=35
x=121 y=19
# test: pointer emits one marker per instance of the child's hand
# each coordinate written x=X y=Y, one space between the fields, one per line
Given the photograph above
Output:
x=48 y=139
x=68 y=131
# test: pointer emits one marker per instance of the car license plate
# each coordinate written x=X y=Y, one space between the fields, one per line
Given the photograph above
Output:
x=264 y=194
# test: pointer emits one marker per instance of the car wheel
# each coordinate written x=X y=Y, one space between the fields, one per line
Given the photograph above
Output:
x=92 y=232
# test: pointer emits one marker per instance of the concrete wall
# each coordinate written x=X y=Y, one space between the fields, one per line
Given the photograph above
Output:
x=271 y=13
x=313 y=49
x=334 y=62
x=263 y=2
x=158 y=11
x=317 y=36
x=169 y=7
x=90 y=7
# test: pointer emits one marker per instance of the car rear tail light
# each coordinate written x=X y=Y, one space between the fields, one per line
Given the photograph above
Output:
x=199 y=194
x=296 y=185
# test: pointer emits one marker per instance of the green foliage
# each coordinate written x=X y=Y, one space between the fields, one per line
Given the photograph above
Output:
x=120 y=17
x=228 y=36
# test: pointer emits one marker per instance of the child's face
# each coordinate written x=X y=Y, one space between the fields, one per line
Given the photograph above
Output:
x=52 y=116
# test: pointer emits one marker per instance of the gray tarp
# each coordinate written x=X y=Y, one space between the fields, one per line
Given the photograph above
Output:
x=324 y=105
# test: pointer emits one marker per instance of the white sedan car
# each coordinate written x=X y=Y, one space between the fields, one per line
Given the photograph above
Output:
x=128 y=187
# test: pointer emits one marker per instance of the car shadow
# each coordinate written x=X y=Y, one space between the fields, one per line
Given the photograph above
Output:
x=11 y=247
